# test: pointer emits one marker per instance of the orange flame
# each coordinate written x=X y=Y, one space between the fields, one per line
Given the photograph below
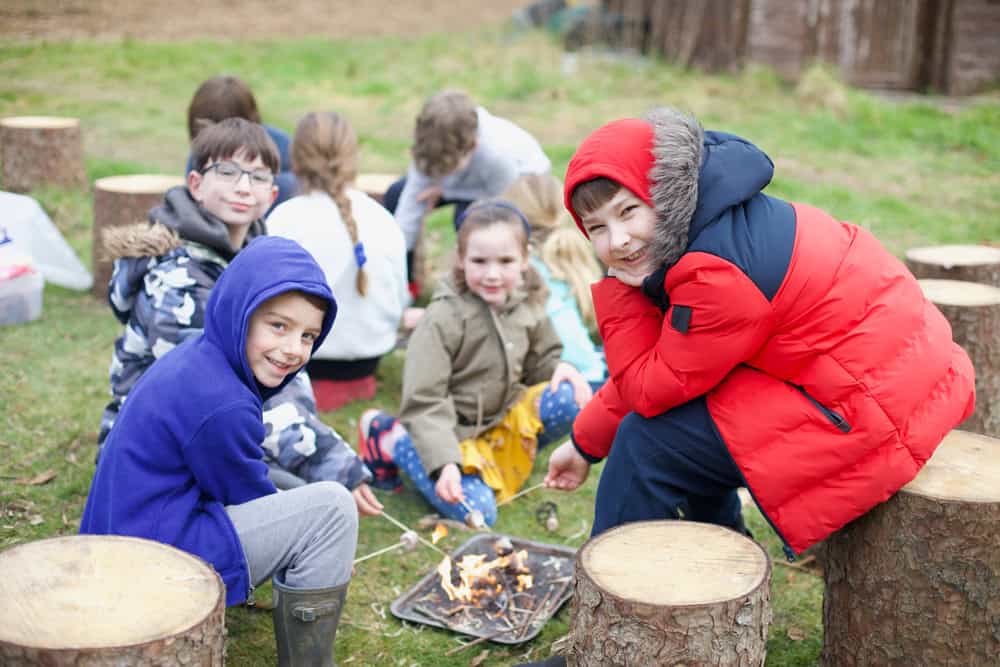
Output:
x=440 y=531
x=476 y=575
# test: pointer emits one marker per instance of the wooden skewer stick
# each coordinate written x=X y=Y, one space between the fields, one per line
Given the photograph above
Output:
x=407 y=540
x=425 y=542
x=522 y=492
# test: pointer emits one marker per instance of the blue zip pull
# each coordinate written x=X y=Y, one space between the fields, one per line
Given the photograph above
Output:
x=789 y=554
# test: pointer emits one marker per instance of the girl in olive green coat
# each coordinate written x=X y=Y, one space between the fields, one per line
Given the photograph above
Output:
x=482 y=380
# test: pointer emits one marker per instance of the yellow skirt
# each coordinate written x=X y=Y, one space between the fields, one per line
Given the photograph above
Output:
x=504 y=455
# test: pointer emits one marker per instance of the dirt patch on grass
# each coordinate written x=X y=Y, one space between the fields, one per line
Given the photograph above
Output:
x=164 y=20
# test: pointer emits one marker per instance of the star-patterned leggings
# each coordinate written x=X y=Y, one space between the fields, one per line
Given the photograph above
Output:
x=557 y=410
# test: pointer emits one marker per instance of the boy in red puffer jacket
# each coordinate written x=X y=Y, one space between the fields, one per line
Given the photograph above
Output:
x=750 y=341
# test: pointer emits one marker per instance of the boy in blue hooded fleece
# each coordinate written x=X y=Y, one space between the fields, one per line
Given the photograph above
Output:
x=183 y=464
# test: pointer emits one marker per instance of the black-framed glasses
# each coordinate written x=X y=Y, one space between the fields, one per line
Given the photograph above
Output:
x=231 y=173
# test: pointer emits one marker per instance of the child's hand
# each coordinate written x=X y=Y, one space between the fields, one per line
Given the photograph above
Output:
x=411 y=316
x=368 y=504
x=567 y=469
x=632 y=278
x=449 y=484
x=430 y=196
x=565 y=372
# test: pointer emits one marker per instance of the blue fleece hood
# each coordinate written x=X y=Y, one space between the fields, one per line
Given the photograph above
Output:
x=265 y=268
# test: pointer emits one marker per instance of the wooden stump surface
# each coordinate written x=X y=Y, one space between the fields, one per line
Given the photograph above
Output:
x=973 y=310
x=916 y=580
x=670 y=592
x=375 y=185
x=969 y=263
x=122 y=200
x=108 y=600
x=41 y=150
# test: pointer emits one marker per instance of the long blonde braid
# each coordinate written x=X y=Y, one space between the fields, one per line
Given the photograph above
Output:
x=325 y=159
x=555 y=239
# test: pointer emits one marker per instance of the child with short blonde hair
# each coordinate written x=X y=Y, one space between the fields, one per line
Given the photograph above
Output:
x=566 y=262
x=483 y=379
x=360 y=248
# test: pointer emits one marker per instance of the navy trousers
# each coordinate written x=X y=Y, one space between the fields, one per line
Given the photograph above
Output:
x=391 y=201
x=671 y=466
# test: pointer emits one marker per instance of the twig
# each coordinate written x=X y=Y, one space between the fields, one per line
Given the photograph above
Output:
x=799 y=565
x=534 y=614
x=522 y=492
x=485 y=638
x=378 y=552
x=425 y=542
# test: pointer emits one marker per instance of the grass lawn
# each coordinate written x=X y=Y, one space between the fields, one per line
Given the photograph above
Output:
x=910 y=171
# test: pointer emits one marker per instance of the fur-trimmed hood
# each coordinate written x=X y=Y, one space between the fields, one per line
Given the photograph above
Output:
x=687 y=175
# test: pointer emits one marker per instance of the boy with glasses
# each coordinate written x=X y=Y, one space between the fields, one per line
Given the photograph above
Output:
x=165 y=270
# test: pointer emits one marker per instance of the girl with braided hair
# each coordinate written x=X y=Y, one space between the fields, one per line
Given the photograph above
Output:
x=360 y=248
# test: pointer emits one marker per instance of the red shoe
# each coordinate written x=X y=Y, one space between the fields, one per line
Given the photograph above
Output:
x=372 y=427
x=332 y=394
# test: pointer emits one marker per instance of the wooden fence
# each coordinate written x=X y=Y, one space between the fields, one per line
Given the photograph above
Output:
x=951 y=46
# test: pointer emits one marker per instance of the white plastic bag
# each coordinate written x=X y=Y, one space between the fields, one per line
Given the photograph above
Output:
x=30 y=227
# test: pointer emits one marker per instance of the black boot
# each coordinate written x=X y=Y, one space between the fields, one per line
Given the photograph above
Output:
x=305 y=624
x=554 y=661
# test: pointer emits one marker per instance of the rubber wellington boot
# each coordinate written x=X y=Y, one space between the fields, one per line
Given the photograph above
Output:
x=305 y=624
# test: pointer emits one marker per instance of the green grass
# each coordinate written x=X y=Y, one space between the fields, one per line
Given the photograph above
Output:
x=910 y=172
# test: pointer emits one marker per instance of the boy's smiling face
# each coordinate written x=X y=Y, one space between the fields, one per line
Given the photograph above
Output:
x=622 y=231
x=281 y=335
x=239 y=203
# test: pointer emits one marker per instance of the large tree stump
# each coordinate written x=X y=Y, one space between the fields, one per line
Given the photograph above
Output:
x=41 y=150
x=916 y=581
x=670 y=593
x=375 y=185
x=974 y=313
x=122 y=200
x=104 y=600
x=970 y=263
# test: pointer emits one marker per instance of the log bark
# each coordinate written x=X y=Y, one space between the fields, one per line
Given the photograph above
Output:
x=973 y=310
x=915 y=581
x=105 y=600
x=670 y=593
x=41 y=150
x=122 y=200
x=969 y=263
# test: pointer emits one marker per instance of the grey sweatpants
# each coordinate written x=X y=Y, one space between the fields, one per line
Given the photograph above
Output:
x=305 y=536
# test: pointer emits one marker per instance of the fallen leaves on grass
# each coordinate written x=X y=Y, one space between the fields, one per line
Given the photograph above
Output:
x=479 y=659
x=795 y=634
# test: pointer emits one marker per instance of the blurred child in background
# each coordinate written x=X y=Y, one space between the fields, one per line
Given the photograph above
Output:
x=224 y=97
x=567 y=264
x=361 y=250
x=461 y=153
x=483 y=379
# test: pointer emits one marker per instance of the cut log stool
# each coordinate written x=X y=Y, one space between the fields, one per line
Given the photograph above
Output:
x=41 y=150
x=375 y=185
x=916 y=581
x=103 y=600
x=969 y=263
x=670 y=593
x=122 y=200
x=973 y=310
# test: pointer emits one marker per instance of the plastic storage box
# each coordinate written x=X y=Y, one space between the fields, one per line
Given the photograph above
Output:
x=21 y=284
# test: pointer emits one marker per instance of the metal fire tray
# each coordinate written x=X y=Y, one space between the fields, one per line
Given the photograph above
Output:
x=551 y=567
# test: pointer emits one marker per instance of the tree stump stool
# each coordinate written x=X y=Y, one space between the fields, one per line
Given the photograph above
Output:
x=916 y=581
x=973 y=310
x=41 y=150
x=375 y=185
x=122 y=200
x=103 y=600
x=670 y=593
x=970 y=263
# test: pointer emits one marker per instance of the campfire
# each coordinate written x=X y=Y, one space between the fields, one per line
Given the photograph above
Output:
x=493 y=587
